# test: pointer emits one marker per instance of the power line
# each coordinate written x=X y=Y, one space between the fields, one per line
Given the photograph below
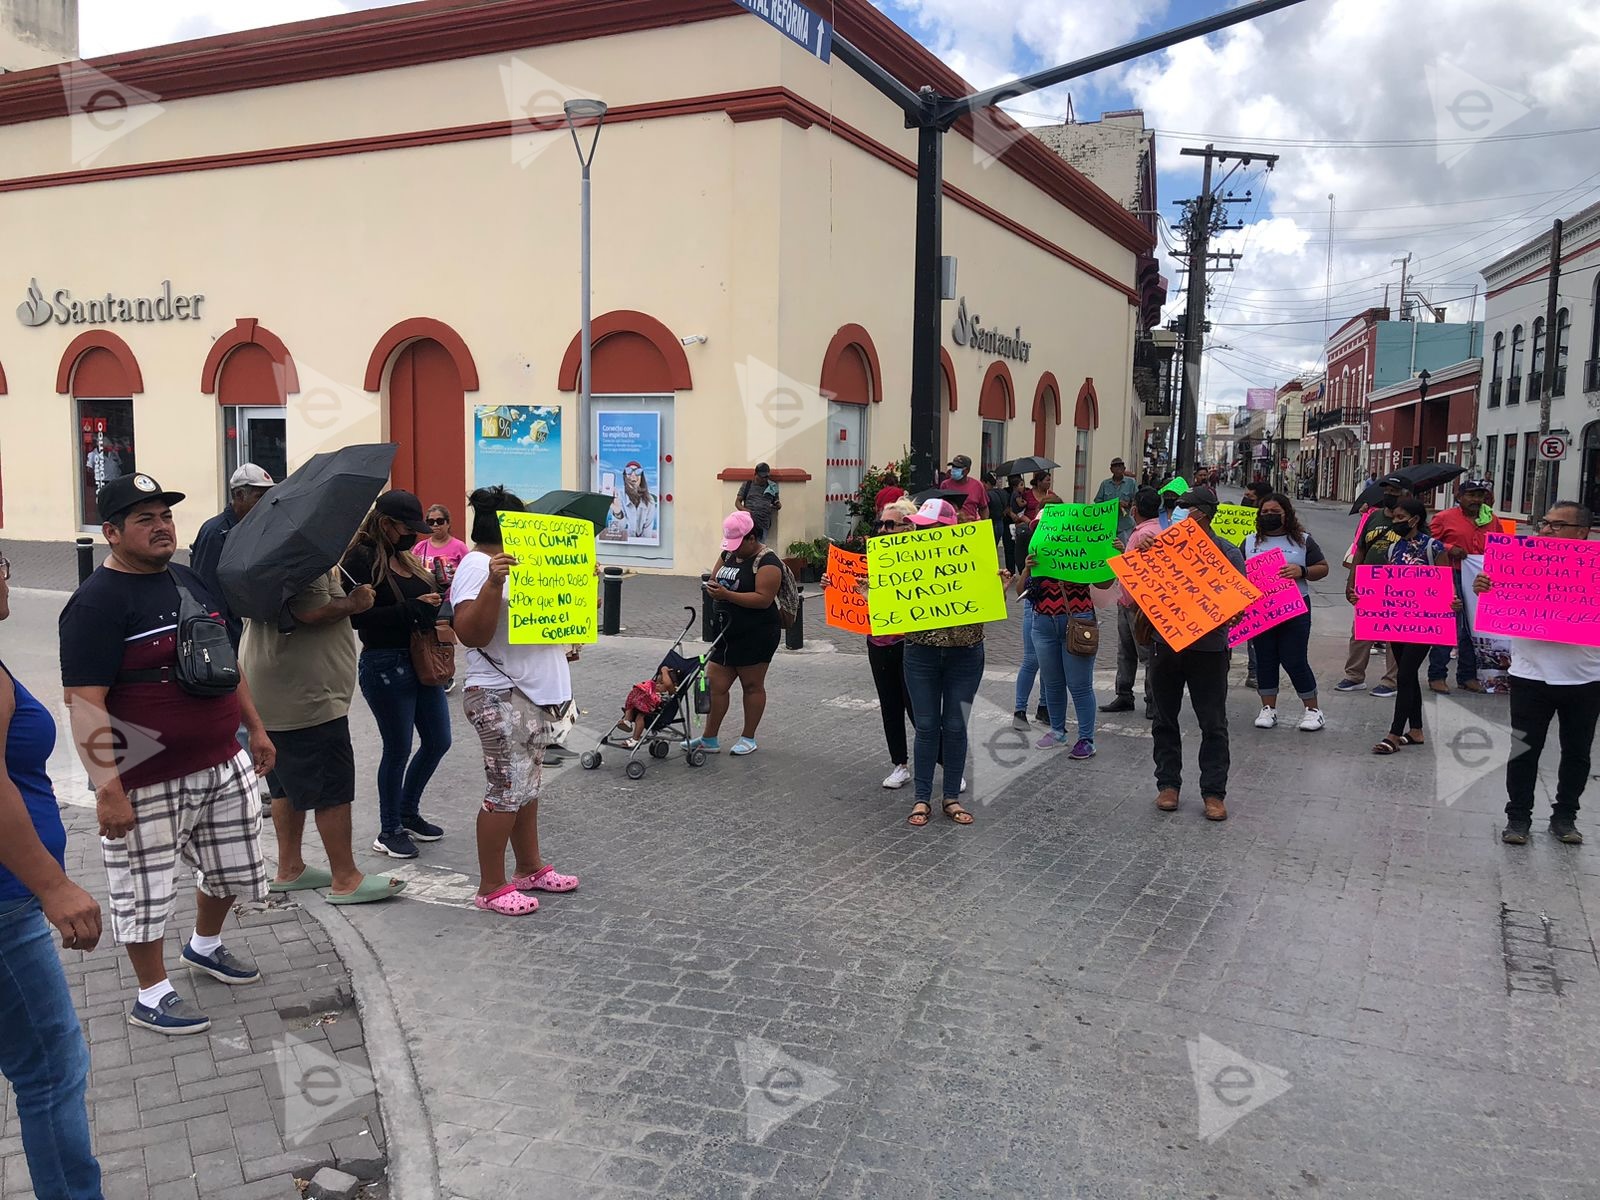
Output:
x=1378 y=143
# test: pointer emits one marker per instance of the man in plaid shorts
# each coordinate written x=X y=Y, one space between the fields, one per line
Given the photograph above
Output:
x=170 y=779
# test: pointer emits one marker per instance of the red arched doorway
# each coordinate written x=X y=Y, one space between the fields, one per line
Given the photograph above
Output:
x=1046 y=415
x=102 y=376
x=251 y=373
x=1085 y=420
x=430 y=373
x=997 y=404
x=851 y=383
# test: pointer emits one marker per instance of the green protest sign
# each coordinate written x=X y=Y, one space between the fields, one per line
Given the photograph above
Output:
x=1075 y=541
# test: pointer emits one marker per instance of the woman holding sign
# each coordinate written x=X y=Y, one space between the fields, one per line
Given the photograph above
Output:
x=1287 y=643
x=1066 y=638
x=1413 y=547
x=517 y=698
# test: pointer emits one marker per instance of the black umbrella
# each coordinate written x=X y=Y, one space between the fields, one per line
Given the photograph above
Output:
x=300 y=529
x=593 y=507
x=1424 y=477
x=1370 y=495
x=1031 y=465
x=954 y=497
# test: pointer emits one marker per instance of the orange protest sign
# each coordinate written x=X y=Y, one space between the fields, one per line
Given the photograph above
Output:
x=846 y=607
x=1507 y=525
x=1184 y=584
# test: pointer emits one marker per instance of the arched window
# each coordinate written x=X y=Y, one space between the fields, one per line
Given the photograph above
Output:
x=1516 y=352
x=251 y=373
x=852 y=382
x=1563 y=337
x=1499 y=355
x=1536 y=367
x=102 y=376
x=1594 y=327
x=1046 y=415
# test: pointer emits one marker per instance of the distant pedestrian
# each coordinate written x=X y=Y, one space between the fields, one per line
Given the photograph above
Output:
x=1202 y=667
x=943 y=669
x=441 y=551
x=43 y=1055
x=759 y=497
x=1121 y=488
x=1413 y=547
x=999 y=503
x=246 y=486
x=406 y=600
x=975 y=497
x=1041 y=491
x=302 y=680
x=1130 y=653
x=745 y=590
x=889 y=491
x=1287 y=644
x=1550 y=680
x=1065 y=640
x=519 y=700
x=180 y=786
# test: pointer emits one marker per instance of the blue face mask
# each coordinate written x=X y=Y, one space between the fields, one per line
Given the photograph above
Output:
x=958 y=472
x=1179 y=514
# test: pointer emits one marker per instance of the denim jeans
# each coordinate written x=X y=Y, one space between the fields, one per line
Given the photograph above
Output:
x=942 y=682
x=1285 y=645
x=1029 y=671
x=1063 y=672
x=1534 y=704
x=44 y=1057
x=400 y=704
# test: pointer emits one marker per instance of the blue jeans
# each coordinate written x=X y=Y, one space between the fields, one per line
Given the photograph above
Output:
x=400 y=704
x=1029 y=671
x=1286 y=645
x=44 y=1056
x=1063 y=672
x=942 y=682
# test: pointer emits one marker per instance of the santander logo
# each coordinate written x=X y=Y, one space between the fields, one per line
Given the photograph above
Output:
x=35 y=310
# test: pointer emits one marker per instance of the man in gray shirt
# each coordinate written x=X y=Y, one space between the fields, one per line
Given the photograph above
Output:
x=1202 y=666
x=759 y=498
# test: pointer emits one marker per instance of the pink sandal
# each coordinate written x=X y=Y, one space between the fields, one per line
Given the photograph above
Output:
x=545 y=879
x=507 y=901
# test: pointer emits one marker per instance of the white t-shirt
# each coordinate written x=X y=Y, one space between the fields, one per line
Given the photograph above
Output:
x=1554 y=662
x=539 y=672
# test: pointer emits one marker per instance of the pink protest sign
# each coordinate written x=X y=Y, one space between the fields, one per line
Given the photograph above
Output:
x=1280 y=598
x=1406 y=604
x=1544 y=588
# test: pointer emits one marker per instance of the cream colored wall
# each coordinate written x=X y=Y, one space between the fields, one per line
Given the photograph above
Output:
x=762 y=236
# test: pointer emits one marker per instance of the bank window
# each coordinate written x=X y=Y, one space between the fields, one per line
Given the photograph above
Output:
x=994 y=444
x=1530 y=446
x=255 y=435
x=105 y=449
x=1080 y=468
x=1510 y=470
x=1490 y=454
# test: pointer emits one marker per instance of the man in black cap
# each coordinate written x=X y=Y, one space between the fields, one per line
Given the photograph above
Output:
x=759 y=498
x=170 y=780
x=1202 y=666
x=975 y=502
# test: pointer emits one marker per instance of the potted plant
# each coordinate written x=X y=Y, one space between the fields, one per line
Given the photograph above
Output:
x=798 y=558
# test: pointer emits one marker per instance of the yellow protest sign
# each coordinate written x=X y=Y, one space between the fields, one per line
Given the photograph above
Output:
x=552 y=595
x=933 y=578
x=1184 y=584
x=1234 y=522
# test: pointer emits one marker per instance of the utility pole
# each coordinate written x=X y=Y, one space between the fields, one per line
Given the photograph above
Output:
x=1403 y=264
x=1541 y=472
x=1202 y=216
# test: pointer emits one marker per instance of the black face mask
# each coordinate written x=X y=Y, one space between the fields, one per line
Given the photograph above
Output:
x=404 y=542
x=1270 y=522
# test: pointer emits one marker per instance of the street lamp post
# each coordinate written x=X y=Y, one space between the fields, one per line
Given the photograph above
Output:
x=589 y=113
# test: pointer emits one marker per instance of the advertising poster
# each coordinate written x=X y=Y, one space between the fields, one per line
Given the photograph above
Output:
x=628 y=469
x=518 y=447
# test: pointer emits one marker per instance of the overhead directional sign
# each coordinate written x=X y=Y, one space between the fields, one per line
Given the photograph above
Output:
x=797 y=23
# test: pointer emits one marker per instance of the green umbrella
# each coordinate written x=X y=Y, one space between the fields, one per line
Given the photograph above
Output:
x=593 y=507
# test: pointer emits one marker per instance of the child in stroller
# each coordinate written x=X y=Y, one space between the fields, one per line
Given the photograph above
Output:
x=643 y=700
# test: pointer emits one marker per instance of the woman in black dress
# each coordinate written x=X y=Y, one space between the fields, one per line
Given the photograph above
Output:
x=745 y=590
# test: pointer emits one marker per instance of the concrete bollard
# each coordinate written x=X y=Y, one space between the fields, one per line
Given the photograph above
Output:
x=611 y=597
x=85 y=558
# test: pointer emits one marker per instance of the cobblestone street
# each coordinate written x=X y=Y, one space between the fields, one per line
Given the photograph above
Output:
x=768 y=985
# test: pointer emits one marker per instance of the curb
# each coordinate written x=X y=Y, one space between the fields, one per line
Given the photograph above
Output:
x=413 y=1170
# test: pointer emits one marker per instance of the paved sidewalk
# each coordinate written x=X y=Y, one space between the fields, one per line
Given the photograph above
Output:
x=236 y=1112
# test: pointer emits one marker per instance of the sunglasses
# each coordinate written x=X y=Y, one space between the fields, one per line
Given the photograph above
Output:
x=438 y=520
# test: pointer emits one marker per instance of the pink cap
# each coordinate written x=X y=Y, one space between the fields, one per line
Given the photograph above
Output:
x=934 y=512
x=735 y=529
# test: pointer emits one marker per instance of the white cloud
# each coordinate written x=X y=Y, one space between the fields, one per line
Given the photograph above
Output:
x=114 y=26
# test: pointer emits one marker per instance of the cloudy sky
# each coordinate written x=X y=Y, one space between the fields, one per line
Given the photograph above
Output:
x=1452 y=130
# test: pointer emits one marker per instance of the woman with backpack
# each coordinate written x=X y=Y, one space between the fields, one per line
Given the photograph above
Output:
x=1413 y=547
x=745 y=589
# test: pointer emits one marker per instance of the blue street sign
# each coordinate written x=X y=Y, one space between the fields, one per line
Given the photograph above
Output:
x=797 y=23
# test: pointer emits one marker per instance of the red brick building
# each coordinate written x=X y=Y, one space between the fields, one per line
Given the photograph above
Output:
x=1432 y=417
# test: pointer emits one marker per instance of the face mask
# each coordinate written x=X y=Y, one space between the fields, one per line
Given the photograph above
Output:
x=1270 y=522
x=405 y=541
x=1179 y=514
x=958 y=472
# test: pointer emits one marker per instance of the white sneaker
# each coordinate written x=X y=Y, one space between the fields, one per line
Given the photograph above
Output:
x=1313 y=720
x=963 y=785
x=1267 y=718
x=898 y=777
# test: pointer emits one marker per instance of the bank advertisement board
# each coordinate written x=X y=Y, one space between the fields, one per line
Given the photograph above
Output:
x=518 y=447
x=628 y=469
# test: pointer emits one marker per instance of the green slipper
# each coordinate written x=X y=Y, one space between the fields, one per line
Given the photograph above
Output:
x=372 y=889
x=310 y=879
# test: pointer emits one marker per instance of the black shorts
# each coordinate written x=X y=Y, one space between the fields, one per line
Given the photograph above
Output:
x=752 y=646
x=316 y=767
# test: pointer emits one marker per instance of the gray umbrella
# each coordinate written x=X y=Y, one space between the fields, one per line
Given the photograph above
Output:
x=300 y=529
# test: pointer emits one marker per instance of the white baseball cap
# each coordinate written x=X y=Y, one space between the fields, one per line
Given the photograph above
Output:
x=249 y=476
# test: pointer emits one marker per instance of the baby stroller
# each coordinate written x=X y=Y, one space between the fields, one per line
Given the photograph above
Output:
x=673 y=723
